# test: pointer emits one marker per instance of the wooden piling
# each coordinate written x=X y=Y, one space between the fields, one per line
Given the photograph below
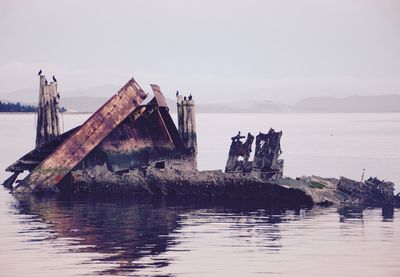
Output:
x=187 y=122
x=48 y=122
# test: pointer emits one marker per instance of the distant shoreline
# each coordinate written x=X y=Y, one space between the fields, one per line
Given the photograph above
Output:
x=35 y=113
x=69 y=113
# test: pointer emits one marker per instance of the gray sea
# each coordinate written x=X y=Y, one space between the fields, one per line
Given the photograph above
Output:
x=114 y=236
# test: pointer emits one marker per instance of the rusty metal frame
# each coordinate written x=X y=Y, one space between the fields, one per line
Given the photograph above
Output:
x=74 y=149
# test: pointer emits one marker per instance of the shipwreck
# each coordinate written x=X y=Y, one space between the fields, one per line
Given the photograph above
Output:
x=132 y=146
x=124 y=134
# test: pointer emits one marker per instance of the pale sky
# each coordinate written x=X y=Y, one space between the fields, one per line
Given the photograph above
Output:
x=218 y=50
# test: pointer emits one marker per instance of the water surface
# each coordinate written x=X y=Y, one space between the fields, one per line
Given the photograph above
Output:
x=92 y=236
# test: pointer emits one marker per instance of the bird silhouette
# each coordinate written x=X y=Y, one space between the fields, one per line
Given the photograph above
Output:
x=45 y=82
x=177 y=92
x=40 y=72
x=54 y=79
x=190 y=97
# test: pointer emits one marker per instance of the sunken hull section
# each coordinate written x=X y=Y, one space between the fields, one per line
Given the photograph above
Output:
x=121 y=136
x=142 y=143
x=76 y=147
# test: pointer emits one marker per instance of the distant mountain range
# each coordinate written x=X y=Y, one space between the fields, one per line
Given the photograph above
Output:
x=89 y=100
x=351 y=104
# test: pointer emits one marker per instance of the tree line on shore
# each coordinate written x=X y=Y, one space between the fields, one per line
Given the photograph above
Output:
x=16 y=107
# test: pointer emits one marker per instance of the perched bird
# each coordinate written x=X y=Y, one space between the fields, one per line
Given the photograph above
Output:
x=40 y=72
x=190 y=97
x=177 y=92
x=184 y=98
x=54 y=79
x=45 y=82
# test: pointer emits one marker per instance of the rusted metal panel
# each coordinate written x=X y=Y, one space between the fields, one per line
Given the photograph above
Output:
x=137 y=143
x=128 y=145
x=172 y=130
x=160 y=99
x=158 y=131
x=85 y=139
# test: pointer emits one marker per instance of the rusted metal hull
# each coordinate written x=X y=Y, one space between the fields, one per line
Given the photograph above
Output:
x=122 y=135
x=138 y=143
x=74 y=149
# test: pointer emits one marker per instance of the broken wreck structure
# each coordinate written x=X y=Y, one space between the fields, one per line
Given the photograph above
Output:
x=266 y=163
x=124 y=134
x=131 y=145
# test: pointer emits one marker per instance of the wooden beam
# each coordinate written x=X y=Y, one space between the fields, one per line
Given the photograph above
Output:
x=8 y=183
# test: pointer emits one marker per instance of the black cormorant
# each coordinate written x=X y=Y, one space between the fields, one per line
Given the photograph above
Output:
x=40 y=72
x=54 y=79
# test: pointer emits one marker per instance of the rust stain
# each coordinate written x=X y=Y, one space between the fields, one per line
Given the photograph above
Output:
x=74 y=149
x=161 y=102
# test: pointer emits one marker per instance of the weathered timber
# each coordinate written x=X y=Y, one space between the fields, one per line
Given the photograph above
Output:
x=74 y=149
x=239 y=154
x=8 y=183
x=266 y=163
x=266 y=157
x=187 y=122
x=48 y=123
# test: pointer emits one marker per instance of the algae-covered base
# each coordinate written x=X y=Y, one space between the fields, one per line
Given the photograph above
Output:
x=304 y=191
x=188 y=185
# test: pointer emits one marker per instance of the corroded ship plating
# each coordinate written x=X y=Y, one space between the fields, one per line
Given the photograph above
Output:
x=123 y=134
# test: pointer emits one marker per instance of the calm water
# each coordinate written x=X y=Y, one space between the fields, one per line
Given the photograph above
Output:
x=97 y=236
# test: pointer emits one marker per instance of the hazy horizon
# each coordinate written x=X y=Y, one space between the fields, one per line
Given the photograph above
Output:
x=281 y=51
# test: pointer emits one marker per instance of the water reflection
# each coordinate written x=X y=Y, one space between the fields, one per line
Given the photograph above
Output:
x=121 y=229
x=126 y=231
x=131 y=236
x=352 y=213
x=387 y=213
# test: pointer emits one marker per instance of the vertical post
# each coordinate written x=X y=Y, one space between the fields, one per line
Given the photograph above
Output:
x=187 y=122
x=48 y=124
x=179 y=105
x=54 y=101
x=191 y=125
